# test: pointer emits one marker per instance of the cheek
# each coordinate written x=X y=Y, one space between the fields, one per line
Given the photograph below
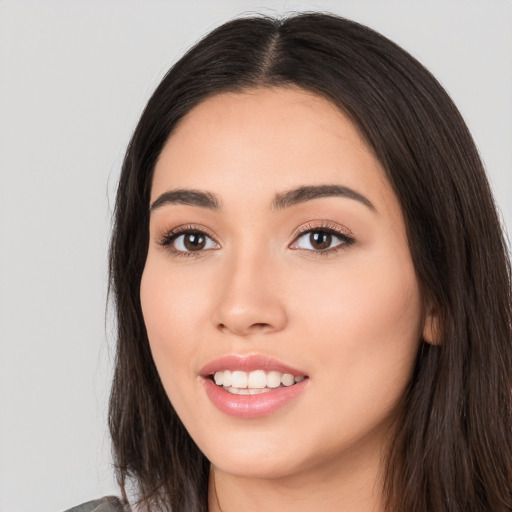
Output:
x=172 y=309
x=365 y=325
x=380 y=307
x=172 y=300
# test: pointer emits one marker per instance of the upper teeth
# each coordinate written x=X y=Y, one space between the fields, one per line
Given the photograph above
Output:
x=257 y=379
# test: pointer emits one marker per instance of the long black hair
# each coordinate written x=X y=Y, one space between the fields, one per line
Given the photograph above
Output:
x=452 y=448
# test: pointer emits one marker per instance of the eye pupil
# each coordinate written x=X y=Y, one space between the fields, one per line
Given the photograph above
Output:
x=320 y=240
x=194 y=241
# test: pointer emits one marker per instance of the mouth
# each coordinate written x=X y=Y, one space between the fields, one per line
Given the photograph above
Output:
x=255 y=382
x=252 y=386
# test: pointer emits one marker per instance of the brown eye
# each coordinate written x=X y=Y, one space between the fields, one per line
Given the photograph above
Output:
x=194 y=241
x=189 y=241
x=320 y=240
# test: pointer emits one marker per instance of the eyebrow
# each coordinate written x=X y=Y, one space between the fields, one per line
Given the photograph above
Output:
x=282 y=200
x=308 y=193
x=187 y=196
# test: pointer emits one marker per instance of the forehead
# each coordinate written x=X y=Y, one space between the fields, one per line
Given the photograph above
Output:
x=263 y=106
x=266 y=140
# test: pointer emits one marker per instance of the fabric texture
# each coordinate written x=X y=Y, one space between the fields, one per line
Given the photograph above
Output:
x=106 y=504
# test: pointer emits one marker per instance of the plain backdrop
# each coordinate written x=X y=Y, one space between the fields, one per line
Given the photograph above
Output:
x=74 y=77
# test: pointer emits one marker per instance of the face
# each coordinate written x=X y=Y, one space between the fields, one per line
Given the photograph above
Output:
x=279 y=295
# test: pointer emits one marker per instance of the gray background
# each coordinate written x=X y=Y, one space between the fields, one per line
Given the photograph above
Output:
x=74 y=77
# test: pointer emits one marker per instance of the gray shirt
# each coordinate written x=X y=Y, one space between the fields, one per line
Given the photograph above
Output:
x=106 y=504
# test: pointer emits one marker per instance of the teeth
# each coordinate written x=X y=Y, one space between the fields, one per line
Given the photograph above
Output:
x=237 y=391
x=227 y=378
x=273 y=379
x=255 y=382
x=288 y=379
x=239 y=379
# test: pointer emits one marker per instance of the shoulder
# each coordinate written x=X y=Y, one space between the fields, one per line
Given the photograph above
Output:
x=106 y=504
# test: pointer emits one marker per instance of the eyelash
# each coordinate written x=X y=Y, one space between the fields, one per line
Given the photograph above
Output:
x=325 y=227
x=171 y=236
x=168 y=239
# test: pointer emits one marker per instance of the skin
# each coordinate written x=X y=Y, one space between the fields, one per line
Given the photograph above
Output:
x=350 y=317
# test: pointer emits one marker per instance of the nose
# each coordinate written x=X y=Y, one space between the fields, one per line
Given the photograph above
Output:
x=249 y=300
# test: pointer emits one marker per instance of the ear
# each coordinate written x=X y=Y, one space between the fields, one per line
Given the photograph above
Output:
x=431 y=327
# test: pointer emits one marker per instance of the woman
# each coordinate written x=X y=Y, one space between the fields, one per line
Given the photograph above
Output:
x=312 y=287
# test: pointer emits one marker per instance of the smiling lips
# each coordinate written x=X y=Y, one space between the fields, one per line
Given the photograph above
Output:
x=251 y=386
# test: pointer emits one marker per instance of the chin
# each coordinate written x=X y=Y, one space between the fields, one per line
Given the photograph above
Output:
x=253 y=460
x=248 y=468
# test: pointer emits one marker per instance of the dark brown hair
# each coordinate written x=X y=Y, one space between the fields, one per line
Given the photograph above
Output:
x=453 y=445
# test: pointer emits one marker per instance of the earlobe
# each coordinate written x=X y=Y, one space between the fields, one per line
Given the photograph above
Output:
x=431 y=328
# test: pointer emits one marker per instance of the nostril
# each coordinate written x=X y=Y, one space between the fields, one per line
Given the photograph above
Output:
x=247 y=319
x=253 y=327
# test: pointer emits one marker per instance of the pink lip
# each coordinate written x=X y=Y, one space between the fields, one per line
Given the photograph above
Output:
x=250 y=406
x=248 y=364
